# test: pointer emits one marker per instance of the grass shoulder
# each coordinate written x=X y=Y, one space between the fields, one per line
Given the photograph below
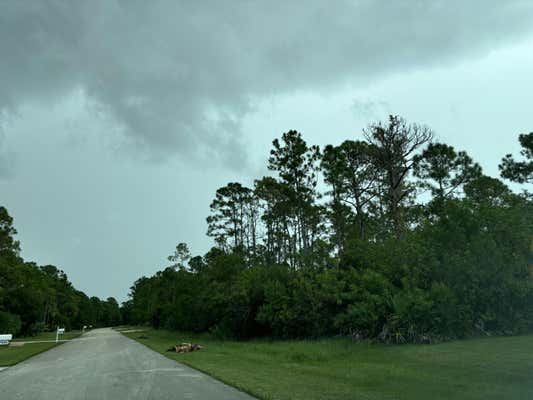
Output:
x=489 y=368
x=10 y=355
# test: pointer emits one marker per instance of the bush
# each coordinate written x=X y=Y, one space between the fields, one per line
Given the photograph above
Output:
x=464 y=271
x=9 y=323
x=36 y=328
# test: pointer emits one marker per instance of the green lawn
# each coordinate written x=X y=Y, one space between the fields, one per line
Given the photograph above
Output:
x=491 y=368
x=10 y=355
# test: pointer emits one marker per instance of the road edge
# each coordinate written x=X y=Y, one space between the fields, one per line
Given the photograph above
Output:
x=4 y=367
x=222 y=380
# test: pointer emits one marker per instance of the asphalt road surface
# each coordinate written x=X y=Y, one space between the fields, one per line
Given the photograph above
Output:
x=104 y=364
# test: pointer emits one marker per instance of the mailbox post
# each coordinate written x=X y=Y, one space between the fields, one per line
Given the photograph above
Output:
x=59 y=331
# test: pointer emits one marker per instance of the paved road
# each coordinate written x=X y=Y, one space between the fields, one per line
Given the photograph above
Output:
x=104 y=364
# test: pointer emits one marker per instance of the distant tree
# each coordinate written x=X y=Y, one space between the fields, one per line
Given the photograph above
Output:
x=353 y=177
x=196 y=264
x=443 y=170
x=126 y=312
x=520 y=171
x=297 y=166
x=8 y=244
x=487 y=190
x=276 y=205
x=111 y=312
x=234 y=216
x=180 y=257
x=394 y=148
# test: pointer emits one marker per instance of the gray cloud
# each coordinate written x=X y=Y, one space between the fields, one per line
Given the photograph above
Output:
x=7 y=158
x=7 y=164
x=370 y=110
x=180 y=76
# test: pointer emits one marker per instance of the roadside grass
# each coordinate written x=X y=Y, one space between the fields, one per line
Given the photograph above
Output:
x=488 y=368
x=10 y=355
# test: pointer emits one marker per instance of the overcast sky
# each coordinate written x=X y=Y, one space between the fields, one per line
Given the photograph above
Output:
x=120 y=119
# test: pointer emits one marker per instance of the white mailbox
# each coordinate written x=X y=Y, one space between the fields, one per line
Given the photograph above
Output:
x=59 y=331
x=5 y=339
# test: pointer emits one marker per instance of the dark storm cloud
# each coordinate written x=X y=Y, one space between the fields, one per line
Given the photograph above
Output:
x=179 y=76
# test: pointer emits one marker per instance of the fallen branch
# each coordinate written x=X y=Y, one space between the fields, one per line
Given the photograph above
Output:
x=185 y=348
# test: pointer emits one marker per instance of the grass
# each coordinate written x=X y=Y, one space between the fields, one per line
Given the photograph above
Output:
x=489 y=368
x=10 y=355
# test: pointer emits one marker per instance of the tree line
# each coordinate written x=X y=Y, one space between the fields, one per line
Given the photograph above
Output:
x=37 y=298
x=396 y=237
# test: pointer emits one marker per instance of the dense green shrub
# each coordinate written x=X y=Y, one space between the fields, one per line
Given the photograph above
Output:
x=9 y=323
x=461 y=272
